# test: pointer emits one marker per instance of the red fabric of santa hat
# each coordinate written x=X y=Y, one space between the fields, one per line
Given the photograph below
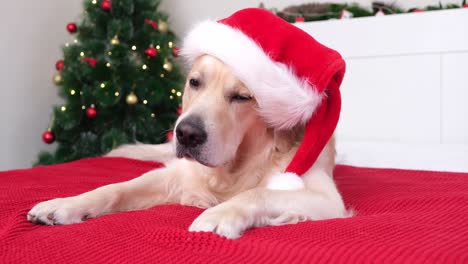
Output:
x=294 y=78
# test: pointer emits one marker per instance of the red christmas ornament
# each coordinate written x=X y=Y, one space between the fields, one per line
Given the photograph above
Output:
x=169 y=135
x=91 y=61
x=106 y=5
x=91 y=112
x=48 y=137
x=152 y=23
x=179 y=110
x=300 y=19
x=418 y=10
x=151 y=52
x=71 y=27
x=465 y=6
x=175 y=52
x=59 y=65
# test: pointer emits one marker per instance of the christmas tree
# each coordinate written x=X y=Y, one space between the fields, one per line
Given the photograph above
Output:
x=117 y=79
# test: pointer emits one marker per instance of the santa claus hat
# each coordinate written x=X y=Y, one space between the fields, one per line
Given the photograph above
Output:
x=294 y=79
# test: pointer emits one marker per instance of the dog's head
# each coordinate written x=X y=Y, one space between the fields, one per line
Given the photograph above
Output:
x=219 y=111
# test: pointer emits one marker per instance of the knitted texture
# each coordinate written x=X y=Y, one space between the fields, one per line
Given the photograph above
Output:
x=401 y=217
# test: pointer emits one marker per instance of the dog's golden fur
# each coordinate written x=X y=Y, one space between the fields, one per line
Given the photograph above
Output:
x=232 y=175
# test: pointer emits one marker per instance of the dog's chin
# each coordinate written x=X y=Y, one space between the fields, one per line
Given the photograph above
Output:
x=193 y=155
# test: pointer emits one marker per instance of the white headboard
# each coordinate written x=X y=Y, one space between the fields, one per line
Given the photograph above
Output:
x=406 y=87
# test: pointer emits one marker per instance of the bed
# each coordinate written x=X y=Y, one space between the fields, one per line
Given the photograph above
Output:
x=402 y=216
x=411 y=207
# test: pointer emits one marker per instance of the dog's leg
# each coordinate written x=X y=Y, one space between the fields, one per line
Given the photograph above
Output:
x=319 y=199
x=143 y=192
x=160 y=152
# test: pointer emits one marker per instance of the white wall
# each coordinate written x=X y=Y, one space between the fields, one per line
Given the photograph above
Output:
x=31 y=33
x=404 y=92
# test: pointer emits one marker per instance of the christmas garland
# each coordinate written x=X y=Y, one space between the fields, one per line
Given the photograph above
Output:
x=326 y=11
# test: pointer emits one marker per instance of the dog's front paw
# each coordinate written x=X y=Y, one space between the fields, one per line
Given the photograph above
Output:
x=227 y=221
x=60 y=211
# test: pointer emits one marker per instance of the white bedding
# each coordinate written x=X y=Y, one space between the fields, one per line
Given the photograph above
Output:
x=439 y=157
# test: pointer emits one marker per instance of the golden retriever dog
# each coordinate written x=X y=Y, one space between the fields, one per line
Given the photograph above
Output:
x=252 y=145
x=224 y=157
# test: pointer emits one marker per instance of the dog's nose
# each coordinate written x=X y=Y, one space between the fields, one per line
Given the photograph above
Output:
x=190 y=133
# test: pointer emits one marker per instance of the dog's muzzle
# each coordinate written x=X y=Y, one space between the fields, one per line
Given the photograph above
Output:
x=190 y=135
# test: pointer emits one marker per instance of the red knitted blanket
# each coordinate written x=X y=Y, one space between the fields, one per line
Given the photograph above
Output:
x=402 y=217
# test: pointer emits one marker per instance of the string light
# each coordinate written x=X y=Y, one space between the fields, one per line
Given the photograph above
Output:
x=144 y=67
x=82 y=54
x=173 y=91
x=108 y=64
x=72 y=92
x=109 y=53
x=170 y=44
x=57 y=79
x=117 y=94
x=81 y=92
x=67 y=44
x=63 y=108
x=179 y=94
x=158 y=47
x=162 y=75
x=133 y=47
x=83 y=107
x=171 y=97
x=145 y=101
x=153 y=115
x=103 y=85
x=115 y=40
x=76 y=41
x=94 y=2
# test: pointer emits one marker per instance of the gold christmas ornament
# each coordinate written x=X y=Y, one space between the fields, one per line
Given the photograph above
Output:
x=163 y=27
x=57 y=79
x=131 y=99
x=167 y=65
x=115 y=40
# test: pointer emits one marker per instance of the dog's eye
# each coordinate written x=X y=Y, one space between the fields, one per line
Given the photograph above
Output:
x=240 y=98
x=194 y=83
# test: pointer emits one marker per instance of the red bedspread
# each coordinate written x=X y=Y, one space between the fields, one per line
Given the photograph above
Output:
x=402 y=217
